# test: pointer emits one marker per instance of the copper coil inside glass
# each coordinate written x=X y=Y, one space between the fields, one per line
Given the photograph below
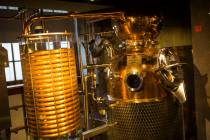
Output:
x=50 y=92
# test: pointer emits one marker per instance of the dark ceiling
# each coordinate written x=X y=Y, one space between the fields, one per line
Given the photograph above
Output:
x=166 y=7
x=72 y=6
x=169 y=8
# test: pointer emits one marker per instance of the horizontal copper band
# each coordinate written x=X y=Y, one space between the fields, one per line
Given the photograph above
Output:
x=58 y=133
x=58 y=65
x=63 y=128
x=47 y=121
x=50 y=75
x=59 y=108
x=50 y=89
x=56 y=79
x=59 y=83
x=43 y=57
x=58 y=124
x=51 y=97
x=51 y=52
x=41 y=104
x=50 y=93
x=31 y=116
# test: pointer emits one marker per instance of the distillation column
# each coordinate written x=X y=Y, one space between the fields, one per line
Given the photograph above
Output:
x=50 y=85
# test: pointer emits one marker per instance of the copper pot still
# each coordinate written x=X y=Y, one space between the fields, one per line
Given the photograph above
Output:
x=145 y=84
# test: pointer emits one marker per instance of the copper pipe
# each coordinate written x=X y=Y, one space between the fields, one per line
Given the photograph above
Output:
x=86 y=94
x=86 y=109
x=86 y=114
x=113 y=15
x=96 y=66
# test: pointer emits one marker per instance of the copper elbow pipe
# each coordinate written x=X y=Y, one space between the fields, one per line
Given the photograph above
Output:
x=112 y=15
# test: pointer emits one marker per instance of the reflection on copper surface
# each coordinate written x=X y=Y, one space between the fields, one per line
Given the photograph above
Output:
x=50 y=91
x=123 y=86
x=137 y=28
x=138 y=81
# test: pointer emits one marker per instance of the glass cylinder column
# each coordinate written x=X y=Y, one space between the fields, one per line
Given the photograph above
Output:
x=50 y=85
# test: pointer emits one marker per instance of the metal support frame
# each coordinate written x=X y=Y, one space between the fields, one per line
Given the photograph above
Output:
x=110 y=15
x=96 y=131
